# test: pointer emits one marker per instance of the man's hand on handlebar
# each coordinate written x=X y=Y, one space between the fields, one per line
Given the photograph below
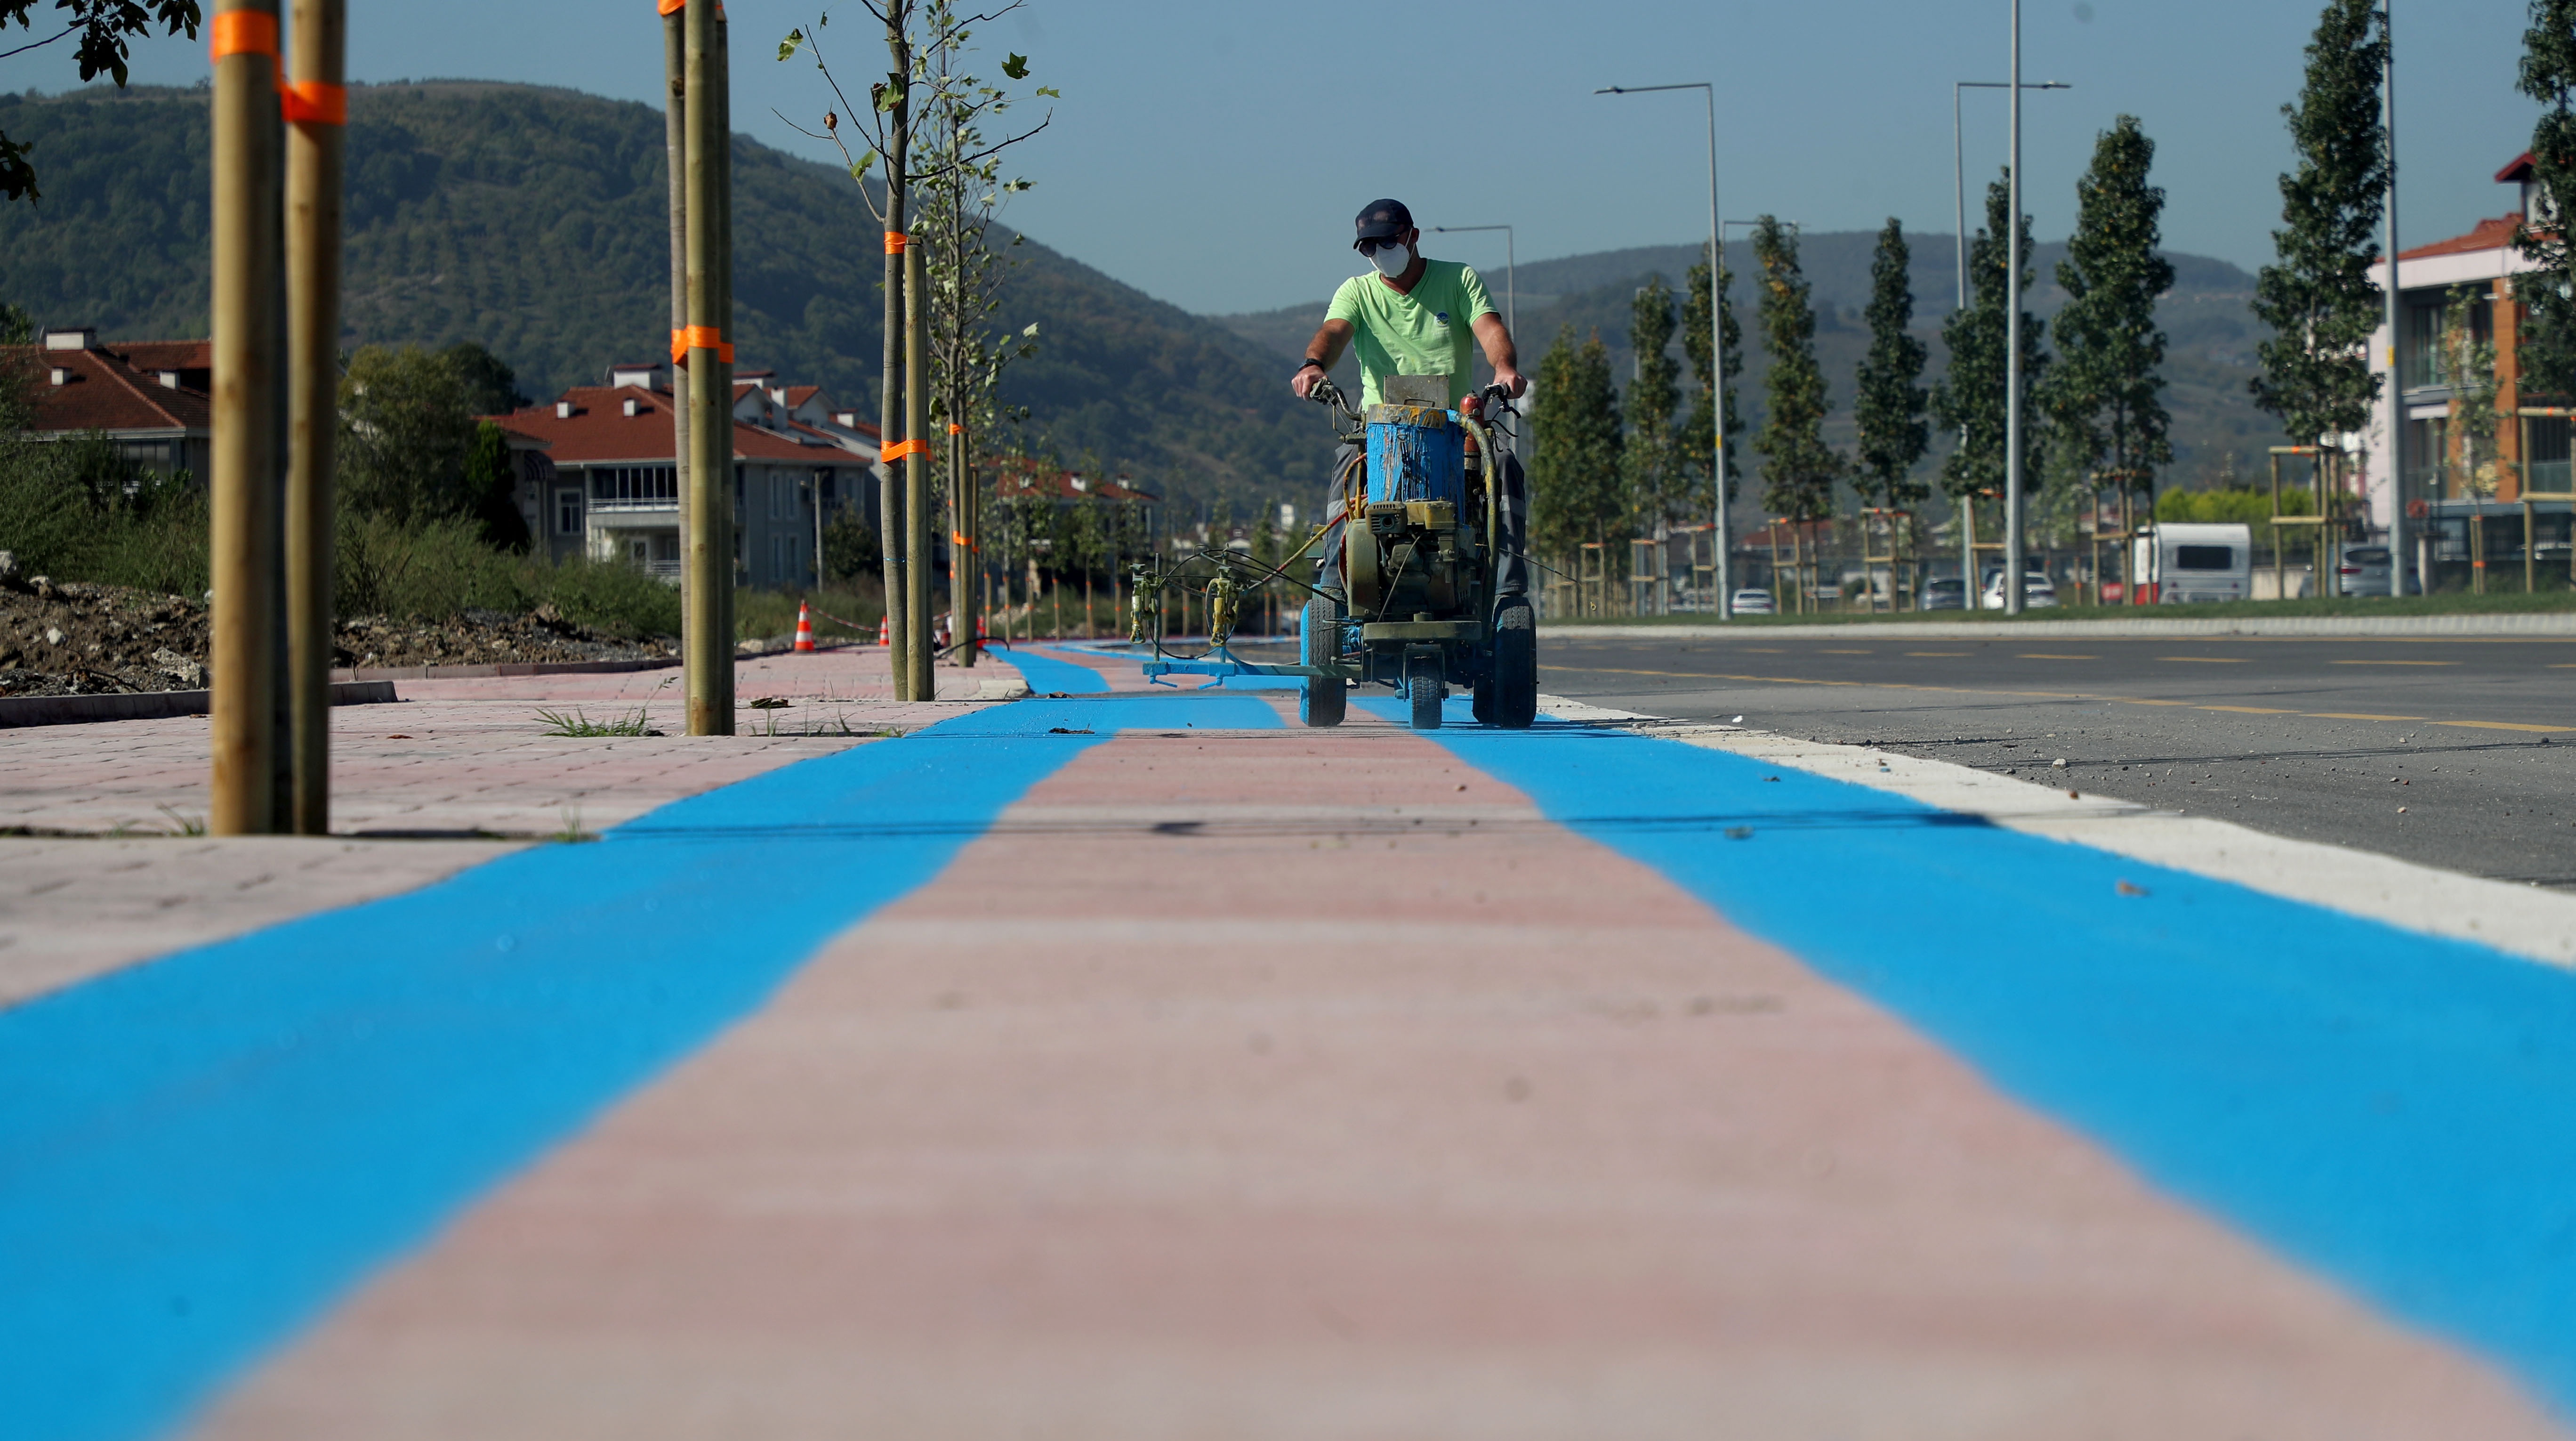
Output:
x=1511 y=382
x=1303 y=382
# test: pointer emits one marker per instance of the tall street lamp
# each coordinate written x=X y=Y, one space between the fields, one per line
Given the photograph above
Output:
x=1720 y=579
x=1511 y=270
x=2012 y=340
x=2401 y=562
x=1958 y=163
x=1959 y=184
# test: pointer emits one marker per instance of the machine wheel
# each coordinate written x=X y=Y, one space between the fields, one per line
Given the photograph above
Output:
x=1515 y=675
x=1422 y=686
x=1482 y=702
x=1323 y=700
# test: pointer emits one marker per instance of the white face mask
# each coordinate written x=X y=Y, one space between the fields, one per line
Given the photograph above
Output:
x=1391 y=260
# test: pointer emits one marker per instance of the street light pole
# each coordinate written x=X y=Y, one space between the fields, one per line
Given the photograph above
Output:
x=2012 y=342
x=1958 y=164
x=2401 y=562
x=1718 y=577
x=1511 y=271
x=1959 y=184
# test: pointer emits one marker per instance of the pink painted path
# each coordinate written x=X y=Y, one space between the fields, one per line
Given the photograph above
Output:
x=1307 y=1084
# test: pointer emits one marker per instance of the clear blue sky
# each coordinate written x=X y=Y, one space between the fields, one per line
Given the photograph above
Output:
x=1212 y=154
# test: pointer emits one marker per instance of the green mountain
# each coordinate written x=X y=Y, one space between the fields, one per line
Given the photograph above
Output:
x=2210 y=332
x=534 y=220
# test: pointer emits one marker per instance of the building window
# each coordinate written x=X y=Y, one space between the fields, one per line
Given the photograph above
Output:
x=782 y=496
x=787 y=557
x=634 y=487
x=568 y=511
x=145 y=454
x=2427 y=458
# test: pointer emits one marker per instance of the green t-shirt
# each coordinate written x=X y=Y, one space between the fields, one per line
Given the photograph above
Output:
x=1428 y=332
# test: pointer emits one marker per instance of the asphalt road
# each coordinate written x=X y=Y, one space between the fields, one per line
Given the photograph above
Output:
x=2450 y=752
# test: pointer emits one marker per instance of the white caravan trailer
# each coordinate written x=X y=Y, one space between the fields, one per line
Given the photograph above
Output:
x=2187 y=563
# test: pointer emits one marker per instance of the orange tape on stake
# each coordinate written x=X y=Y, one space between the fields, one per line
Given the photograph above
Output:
x=672 y=7
x=699 y=337
x=955 y=429
x=244 y=32
x=310 y=102
x=896 y=240
x=958 y=537
x=902 y=448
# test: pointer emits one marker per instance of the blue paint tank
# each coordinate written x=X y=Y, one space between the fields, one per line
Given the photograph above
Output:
x=1416 y=452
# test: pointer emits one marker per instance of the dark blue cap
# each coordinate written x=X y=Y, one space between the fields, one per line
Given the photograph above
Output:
x=1383 y=220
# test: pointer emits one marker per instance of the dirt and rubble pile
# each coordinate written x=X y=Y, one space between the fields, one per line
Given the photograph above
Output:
x=73 y=638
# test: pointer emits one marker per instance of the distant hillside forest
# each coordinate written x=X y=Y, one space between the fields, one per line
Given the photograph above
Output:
x=533 y=221
x=2219 y=437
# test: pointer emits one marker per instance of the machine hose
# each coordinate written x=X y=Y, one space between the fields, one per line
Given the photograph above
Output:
x=1493 y=495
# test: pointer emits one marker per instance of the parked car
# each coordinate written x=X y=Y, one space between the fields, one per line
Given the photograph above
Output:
x=1750 y=601
x=2038 y=592
x=1946 y=592
x=2366 y=570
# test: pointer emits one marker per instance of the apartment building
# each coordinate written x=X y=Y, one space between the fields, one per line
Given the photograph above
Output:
x=615 y=491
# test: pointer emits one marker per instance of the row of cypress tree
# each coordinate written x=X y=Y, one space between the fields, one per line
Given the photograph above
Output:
x=2098 y=406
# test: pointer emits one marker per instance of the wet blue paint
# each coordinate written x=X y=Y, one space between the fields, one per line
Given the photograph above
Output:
x=2397 y=1112
x=1045 y=673
x=198 y=1155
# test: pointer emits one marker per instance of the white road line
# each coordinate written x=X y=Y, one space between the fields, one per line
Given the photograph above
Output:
x=2521 y=920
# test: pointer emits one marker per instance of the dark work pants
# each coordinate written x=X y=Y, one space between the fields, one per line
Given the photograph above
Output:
x=1515 y=522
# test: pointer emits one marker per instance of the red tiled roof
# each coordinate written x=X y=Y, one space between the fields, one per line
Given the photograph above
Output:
x=2520 y=169
x=103 y=390
x=799 y=394
x=1059 y=484
x=151 y=355
x=600 y=431
x=2492 y=234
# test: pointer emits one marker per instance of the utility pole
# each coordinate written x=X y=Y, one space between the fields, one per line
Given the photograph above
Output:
x=675 y=142
x=316 y=102
x=2012 y=343
x=2401 y=561
x=707 y=639
x=249 y=363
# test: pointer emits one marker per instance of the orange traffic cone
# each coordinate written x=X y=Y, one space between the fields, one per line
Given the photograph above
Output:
x=804 y=628
x=885 y=633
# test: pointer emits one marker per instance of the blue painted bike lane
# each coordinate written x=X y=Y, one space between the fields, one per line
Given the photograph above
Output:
x=2390 y=1110
x=200 y=1154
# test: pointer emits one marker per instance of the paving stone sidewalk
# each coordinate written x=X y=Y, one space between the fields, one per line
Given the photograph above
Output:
x=105 y=867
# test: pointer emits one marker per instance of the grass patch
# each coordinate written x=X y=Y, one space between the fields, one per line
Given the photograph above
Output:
x=2373 y=606
x=581 y=726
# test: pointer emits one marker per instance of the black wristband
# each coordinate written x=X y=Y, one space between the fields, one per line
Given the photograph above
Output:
x=1310 y=360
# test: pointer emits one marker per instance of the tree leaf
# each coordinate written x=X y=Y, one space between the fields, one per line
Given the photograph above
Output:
x=788 y=47
x=1016 y=66
x=1050 y=91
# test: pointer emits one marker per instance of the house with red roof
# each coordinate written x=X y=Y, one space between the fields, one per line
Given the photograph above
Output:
x=615 y=488
x=2444 y=496
x=152 y=399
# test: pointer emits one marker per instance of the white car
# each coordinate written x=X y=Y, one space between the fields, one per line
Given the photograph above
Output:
x=2038 y=592
x=1750 y=601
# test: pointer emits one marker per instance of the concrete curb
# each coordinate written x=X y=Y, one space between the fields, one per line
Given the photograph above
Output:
x=42 y=710
x=344 y=674
x=2538 y=625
